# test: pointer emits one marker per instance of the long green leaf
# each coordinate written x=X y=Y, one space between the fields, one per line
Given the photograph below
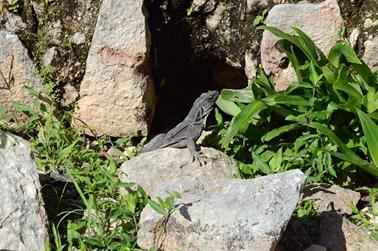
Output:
x=263 y=83
x=314 y=76
x=328 y=74
x=309 y=45
x=286 y=99
x=227 y=106
x=157 y=207
x=370 y=129
x=366 y=166
x=293 y=39
x=347 y=155
x=279 y=131
x=289 y=50
x=365 y=73
x=342 y=49
x=241 y=120
x=332 y=136
x=260 y=164
x=243 y=95
x=348 y=89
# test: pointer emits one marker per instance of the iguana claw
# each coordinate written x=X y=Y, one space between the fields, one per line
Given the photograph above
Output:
x=200 y=159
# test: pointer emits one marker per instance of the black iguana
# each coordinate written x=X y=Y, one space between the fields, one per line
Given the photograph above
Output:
x=188 y=131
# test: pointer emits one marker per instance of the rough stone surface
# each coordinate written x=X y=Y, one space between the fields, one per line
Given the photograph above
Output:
x=16 y=71
x=70 y=95
x=226 y=215
x=173 y=169
x=353 y=38
x=331 y=197
x=116 y=95
x=338 y=233
x=49 y=56
x=251 y=66
x=11 y=22
x=320 y=22
x=78 y=38
x=22 y=215
x=61 y=21
x=371 y=53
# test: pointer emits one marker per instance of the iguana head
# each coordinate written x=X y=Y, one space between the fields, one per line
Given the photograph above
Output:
x=203 y=106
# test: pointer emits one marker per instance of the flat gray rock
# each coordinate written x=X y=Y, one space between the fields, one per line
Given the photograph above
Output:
x=226 y=215
x=174 y=169
x=22 y=215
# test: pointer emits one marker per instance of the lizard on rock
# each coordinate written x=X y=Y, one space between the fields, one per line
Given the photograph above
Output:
x=188 y=131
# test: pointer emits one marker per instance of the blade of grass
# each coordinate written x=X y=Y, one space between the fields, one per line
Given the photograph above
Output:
x=241 y=120
x=309 y=45
x=347 y=155
x=370 y=129
x=339 y=49
x=289 y=50
x=279 y=131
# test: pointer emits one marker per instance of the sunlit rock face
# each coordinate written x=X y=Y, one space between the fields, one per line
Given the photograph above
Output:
x=117 y=95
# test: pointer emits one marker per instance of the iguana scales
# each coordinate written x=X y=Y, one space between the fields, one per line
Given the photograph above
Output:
x=188 y=131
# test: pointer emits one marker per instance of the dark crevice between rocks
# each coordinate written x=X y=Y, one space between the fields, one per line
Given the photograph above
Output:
x=62 y=203
x=29 y=17
x=185 y=62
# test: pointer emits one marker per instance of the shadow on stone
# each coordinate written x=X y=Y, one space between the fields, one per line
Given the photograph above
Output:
x=60 y=197
x=331 y=232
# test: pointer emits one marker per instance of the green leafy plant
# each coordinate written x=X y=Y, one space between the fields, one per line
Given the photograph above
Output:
x=110 y=220
x=14 y=6
x=324 y=123
x=305 y=210
x=367 y=217
x=189 y=11
x=107 y=219
x=261 y=19
x=166 y=206
x=47 y=2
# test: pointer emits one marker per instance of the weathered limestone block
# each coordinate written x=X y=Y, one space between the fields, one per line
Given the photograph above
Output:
x=371 y=53
x=331 y=197
x=320 y=22
x=159 y=169
x=16 y=71
x=225 y=214
x=116 y=95
x=22 y=215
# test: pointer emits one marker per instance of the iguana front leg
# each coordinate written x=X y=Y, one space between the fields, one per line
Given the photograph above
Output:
x=194 y=132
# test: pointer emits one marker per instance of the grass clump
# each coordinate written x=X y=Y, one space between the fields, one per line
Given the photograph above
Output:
x=100 y=218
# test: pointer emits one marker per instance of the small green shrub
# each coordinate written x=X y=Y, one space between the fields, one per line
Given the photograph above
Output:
x=166 y=206
x=324 y=123
x=367 y=218
x=108 y=220
x=14 y=6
